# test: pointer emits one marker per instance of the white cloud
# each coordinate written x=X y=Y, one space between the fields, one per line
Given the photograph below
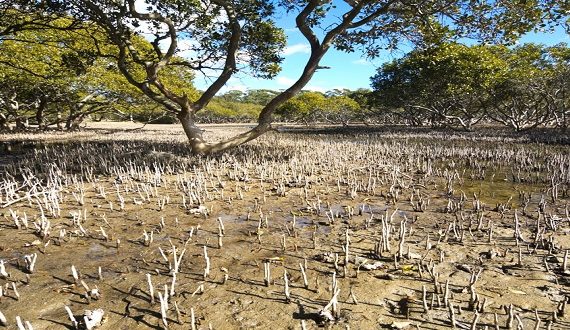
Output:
x=295 y=49
x=185 y=47
x=284 y=81
x=362 y=61
x=234 y=87
x=315 y=88
x=318 y=88
x=141 y=6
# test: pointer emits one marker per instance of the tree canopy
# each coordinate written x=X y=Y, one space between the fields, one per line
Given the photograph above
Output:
x=221 y=38
x=458 y=85
x=55 y=76
x=442 y=84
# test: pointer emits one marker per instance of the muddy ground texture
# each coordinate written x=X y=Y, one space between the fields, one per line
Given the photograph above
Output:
x=435 y=222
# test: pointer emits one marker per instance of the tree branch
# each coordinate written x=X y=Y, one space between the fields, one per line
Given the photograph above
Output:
x=230 y=62
x=380 y=11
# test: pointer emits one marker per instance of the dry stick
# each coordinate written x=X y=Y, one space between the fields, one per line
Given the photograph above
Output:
x=150 y=289
x=314 y=239
x=19 y=323
x=424 y=298
x=304 y=275
x=163 y=308
x=446 y=293
x=192 y=319
x=336 y=261
x=178 y=314
x=516 y=234
x=15 y=289
x=537 y=318
x=332 y=303
x=221 y=232
x=164 y=255
x=207 y=268
x=452 y=315
x=287 y=294
x=511 y=317
x=74 y=274
x=266 y=273
x=519 y=322
x=353 y=296
x=172 y=285
x=178 y=262
x=30 y=260
x=346 y=248
x=565 y=262
x=396 y=264
x=283 y=243
x=474 y=298
x=171 y=266
x=85 y=286
x=226 y=275
x=3 y=321
x=561 y=308
x=402 y=239
x=420 y=270
x=483 y=306
x=335 y=288
x=435 y=282
x=104 y=234
x=475 y=320
x=386 y=228
x=3 y=273
x=221 y=226
x=71 y=317
x=545 y=261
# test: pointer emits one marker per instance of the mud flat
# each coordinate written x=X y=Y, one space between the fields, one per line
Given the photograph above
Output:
x=294 y=230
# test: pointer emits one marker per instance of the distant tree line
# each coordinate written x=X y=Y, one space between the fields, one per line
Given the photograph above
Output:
x=62 y=61
x=55 y=74
x=452 y=85
x=58 y=75
x=459 y=86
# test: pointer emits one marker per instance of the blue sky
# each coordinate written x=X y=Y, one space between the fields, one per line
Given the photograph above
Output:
x=348 y=70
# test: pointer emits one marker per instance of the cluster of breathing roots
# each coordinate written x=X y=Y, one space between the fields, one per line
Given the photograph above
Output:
x=322 y=229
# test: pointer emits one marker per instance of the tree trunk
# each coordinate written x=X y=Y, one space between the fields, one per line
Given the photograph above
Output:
x=68 y=122
x=40 y=113
x=21 y=123
x=59 y=122
x=193 y=132
x=199 y=146
x=74 y=122
x=3 y=122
